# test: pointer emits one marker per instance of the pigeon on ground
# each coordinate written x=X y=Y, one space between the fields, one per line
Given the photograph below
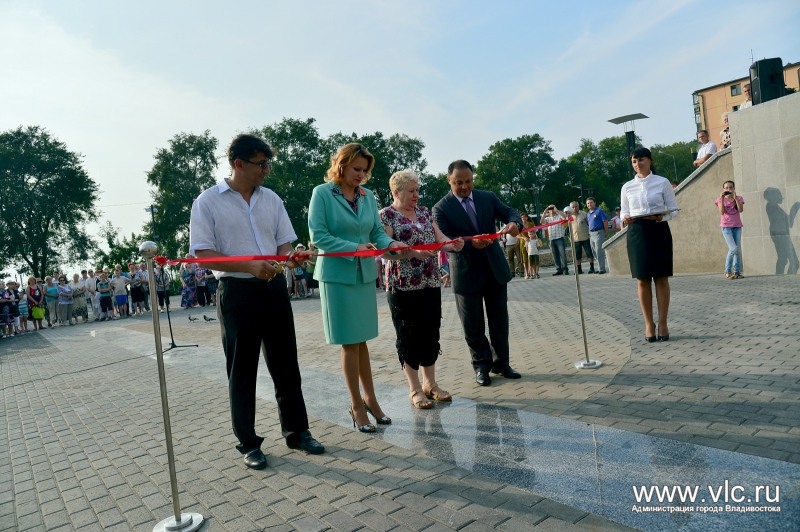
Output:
x=209 y=319
x=192 y=319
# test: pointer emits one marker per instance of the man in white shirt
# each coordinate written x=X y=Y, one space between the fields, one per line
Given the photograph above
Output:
x=241 y=217
x=512 y=253
x=707 y=149
x=749 y=101
x=556 y=235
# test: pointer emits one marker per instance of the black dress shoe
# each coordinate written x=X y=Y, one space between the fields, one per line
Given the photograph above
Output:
x=507 y=372
x=306 y=442
x=482 y=378
x=255 y=459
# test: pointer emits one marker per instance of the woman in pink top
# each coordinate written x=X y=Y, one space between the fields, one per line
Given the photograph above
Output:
x=730 y=208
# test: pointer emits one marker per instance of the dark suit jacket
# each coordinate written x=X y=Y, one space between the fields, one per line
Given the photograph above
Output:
x=470 y=267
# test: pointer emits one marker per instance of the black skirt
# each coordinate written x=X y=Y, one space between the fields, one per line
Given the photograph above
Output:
x=649 y=249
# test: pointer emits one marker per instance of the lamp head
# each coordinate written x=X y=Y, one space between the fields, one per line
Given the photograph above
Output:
x=148 y=249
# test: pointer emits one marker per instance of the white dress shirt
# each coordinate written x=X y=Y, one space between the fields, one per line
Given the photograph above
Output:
x=645 y=196
x=223 y=221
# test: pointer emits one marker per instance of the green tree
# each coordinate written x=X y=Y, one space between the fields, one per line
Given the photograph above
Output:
x=432 y=189
x=513 y=167
x=674 y=161
x=398 y=152
x=120 y=251
x=181 y=172
x=299 y=165
x=597 y=170
x=48 y=201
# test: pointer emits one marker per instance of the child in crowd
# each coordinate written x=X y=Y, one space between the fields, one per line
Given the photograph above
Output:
x=22 y=306
x=533 y=256
x=444 y=268
x=119 y=287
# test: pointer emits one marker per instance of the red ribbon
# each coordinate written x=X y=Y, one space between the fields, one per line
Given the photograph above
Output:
x=434 y=246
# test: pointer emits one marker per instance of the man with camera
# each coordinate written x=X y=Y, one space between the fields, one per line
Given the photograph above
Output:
x=556 y=235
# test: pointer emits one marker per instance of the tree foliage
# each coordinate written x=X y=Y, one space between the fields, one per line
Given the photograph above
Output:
x=514 y=167
x=181 y=172
x=120 y=251
x=302 y=158
x=398 y=152
x=674 y=161
x=432 y=189
x=299 y=165
x=53 y=198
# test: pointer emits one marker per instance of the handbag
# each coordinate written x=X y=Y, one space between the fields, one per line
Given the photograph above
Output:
x=37 y=312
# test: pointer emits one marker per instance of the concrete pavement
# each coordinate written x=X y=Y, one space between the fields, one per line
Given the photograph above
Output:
x=559 y=449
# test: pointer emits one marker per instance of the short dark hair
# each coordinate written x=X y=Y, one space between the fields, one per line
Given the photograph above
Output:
x=641 y=151
x=591 y=198
x=244 y=146
x=703 y=131
x=458 y=165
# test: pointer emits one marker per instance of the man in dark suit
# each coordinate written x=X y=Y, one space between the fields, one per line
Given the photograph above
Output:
x=479 y=272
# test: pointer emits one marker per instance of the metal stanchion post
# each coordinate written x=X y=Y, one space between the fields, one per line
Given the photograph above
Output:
x=581 y=364
x=183 y=522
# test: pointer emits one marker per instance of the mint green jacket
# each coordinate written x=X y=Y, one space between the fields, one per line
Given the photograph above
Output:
x=334 y=227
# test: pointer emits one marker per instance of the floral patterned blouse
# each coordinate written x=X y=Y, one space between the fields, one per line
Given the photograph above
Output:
x=411 y=274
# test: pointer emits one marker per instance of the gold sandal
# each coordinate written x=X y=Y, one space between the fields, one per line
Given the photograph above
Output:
x=437 y=394
x=422 y=404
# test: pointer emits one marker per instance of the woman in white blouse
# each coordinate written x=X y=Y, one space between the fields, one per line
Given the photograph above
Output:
x=647 y=202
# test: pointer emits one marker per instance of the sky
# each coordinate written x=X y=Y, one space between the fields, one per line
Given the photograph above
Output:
x=116 y=81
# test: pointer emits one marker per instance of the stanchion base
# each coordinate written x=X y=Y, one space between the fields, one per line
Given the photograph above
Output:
x=189 y=523
x=588 y=364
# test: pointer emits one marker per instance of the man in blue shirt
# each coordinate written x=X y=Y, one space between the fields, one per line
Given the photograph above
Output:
x=598 y=224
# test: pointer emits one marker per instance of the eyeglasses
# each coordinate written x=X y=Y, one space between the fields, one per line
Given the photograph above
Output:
x=265 y=165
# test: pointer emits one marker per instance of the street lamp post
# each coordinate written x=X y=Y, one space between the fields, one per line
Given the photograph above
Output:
x=535 y=190
x=152 y=209
x=674 y=165
x=580 y=187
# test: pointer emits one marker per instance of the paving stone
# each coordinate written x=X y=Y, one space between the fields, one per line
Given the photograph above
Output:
x=72 y=435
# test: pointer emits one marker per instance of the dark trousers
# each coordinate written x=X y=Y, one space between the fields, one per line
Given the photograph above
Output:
x=470 y=309
x=203 y=296
x=417 y=316
x=256 y=315
x=163 y=298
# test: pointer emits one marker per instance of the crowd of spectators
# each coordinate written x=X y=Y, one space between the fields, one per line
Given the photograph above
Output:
x=96 y=295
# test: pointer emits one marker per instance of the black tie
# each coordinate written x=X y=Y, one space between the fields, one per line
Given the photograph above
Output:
x=473 y=217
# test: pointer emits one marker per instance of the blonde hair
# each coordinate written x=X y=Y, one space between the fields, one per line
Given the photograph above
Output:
x=345 y=157
x=399 y=180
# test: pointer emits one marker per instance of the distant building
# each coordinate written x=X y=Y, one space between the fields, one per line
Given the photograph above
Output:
x=711 y=102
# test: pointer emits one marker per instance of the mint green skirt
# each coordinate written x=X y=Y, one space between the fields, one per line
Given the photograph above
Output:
x=349 y=312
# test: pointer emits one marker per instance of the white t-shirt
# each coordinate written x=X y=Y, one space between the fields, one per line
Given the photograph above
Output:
x=533 y=246
x=709 y=148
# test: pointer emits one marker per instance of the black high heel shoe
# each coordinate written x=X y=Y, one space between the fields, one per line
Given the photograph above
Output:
x=651 y=339
x=369 y=427
x=663 y=338
x=385 y=420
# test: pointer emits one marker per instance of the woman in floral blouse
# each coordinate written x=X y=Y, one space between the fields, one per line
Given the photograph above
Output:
x=414 y=288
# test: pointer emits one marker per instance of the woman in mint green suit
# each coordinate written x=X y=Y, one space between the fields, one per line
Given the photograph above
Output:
x=343 y=216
